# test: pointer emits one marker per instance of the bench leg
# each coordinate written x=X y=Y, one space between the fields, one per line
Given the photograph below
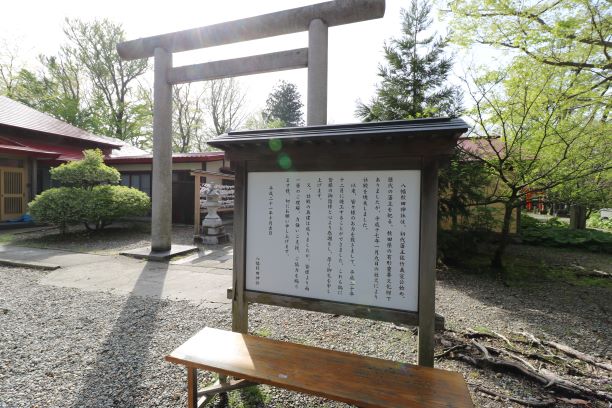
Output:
x=192 y=388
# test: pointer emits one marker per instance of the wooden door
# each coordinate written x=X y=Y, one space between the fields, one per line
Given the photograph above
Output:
x=12 y=193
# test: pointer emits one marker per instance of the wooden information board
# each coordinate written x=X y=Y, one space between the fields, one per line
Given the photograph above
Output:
x=343 y=236
x=340 y=219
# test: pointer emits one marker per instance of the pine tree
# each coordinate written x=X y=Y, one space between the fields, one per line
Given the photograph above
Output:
x=414 y=79
x=284 y=104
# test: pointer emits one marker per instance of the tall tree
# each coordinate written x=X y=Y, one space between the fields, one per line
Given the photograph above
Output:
x=225 y=103
x=414 y=81
x=58 y=90
x=113 y=80
x=284 y=104
x=414 y=84
x=532 y=135
x=572 y=36
x=204 y=111
x=187 y=116
x=10 y=66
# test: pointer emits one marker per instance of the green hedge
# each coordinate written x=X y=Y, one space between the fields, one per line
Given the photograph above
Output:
x=98 y=206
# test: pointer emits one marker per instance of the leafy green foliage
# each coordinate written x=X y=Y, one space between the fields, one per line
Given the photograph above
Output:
x=570 y=34
x=595 y=221
x=414 y=79
x=258 y=120
x=592 y=192
x=530 y=133
x=86 y=173
x=284 y=104
x=543 y=117
x=557 y=234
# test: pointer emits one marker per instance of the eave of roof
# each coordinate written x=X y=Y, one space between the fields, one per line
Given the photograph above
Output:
x=43 y=154
x=176 y=158
x=39 y=149
x=346 y=132
x=16 y=115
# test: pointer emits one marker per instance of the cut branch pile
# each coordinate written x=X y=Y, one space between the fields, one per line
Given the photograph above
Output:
x=565 y=375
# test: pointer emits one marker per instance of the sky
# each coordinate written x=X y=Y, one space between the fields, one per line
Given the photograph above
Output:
x=355 y=50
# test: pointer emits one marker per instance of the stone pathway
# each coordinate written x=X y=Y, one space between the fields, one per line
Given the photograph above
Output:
x=202 y=278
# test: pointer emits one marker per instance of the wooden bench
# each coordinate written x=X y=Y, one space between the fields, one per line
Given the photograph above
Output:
x=350 y=378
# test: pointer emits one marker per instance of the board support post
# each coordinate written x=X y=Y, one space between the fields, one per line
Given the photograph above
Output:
x=240 y=308
x=427 y=261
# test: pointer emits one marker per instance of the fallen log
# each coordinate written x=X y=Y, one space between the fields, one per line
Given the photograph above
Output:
x=543 y=377
x=578 y=355
x=587 y=358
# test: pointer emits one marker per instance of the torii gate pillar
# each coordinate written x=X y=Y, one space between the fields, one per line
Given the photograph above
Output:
x=317 y=73
x=161 y=214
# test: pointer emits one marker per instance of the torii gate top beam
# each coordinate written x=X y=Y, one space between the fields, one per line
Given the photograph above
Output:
x=290 y=21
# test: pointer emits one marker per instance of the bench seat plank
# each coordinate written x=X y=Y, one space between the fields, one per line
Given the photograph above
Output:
x=351 y=378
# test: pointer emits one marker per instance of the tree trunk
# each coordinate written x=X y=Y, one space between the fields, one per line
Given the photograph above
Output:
x=496 y=261
x=453 y=210
x=577 y=217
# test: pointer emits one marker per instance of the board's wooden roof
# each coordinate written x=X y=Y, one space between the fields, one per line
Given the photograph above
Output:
x=370 y=131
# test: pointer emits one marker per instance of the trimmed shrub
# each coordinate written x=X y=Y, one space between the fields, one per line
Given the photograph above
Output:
x=61 y=206
x=87 y=172
x=87 y=195
x=108 y=203
x=95 y=207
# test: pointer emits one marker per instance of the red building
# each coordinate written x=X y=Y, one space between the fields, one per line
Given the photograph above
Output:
x=32 y=142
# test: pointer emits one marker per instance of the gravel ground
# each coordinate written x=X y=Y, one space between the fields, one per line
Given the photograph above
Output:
x=110 y=241
x=67 y=348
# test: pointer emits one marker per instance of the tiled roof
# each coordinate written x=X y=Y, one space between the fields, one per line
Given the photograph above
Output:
x=42 y=150
x=176 y=158
x=18 y=115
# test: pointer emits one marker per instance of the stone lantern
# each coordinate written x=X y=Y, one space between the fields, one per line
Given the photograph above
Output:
x=212 y=225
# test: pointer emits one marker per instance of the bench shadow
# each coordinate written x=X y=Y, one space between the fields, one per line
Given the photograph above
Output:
x=115 y=378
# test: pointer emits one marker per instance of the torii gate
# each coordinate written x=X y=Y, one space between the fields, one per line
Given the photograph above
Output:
x=316 y=19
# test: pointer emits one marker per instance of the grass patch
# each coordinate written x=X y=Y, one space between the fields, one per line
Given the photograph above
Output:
x=250 y=397
x=554 y=233
x=263 y=332
x=530 y=269
x=7 y=238
x=524 y=272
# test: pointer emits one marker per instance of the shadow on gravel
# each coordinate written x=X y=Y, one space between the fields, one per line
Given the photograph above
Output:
x=115 y=378
x=567 y=312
